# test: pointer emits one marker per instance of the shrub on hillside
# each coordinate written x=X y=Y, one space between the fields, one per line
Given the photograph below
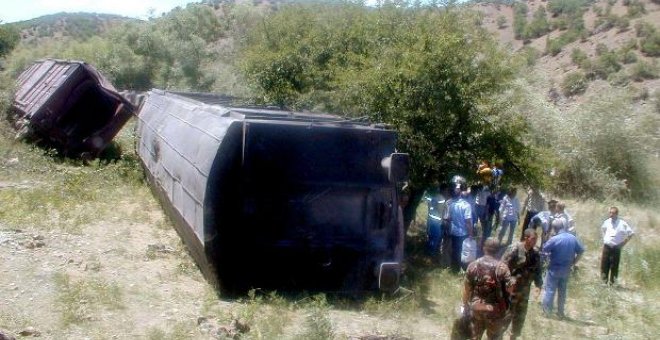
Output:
x=539 y=24
x=574 y=83
x=635 y=8
x=605 y=65
x=622 y=23
x=519 y=20
x=600 y=146
x=619 y=79
x=530 y=54
x=566 y=7
x=553 y=46
x=644 y=29
x=601 y=49
x=650 y=45
x=501 y=22
x=643 y=70
x=627 y=56
x=578 y=56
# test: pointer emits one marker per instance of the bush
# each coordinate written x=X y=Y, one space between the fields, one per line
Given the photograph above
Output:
x=622 y=23
x=627 y=57
x=539 y=25
x=619 y=79
x=574 y=83
x=530 y=54
x=553 y=46
x=635 y=8
x=601 y=49
x=519 y=19
x=605 y=65
x=501 y=22
x=643 y=70
x=644 y=29
x=651 y=45
x=578 y=56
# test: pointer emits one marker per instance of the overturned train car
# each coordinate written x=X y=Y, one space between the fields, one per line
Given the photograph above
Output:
x=68 y=105
x=275 y=199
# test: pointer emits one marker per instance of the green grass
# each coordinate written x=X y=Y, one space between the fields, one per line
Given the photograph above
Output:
x=79 y=300
x=48 y=192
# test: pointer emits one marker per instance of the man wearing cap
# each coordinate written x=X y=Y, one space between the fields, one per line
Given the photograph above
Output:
x=563 y=251
x=544 y=219
x=534 y=204
x=616 y=233
x=524 y=262
x=485 y=289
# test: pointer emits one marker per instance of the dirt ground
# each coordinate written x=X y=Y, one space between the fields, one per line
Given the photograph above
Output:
x=123 y=280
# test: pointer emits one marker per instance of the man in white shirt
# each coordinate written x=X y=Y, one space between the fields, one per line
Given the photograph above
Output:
x=616 y=233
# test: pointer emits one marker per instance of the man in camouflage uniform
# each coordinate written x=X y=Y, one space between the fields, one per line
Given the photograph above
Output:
x=524 y=262
x=487 y=284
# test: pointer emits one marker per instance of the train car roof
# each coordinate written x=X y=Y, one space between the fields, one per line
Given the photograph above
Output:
x=237 y=106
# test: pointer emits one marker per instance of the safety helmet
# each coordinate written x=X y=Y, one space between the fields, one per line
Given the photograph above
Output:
x=458 y=184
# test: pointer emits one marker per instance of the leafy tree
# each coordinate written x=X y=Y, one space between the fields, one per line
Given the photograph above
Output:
x=519 y=19
x=539 y=25
x=9 y=37
x=430 y=74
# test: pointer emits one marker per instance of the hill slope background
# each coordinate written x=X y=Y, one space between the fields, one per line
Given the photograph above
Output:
x=86 y=251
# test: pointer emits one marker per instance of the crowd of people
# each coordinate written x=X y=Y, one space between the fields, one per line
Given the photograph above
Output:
x=499 y=272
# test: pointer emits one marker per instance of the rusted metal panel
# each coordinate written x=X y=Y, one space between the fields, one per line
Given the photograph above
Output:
x=268 y=198
x=69 y=105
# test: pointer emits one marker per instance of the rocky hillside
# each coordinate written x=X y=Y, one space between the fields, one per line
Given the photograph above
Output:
x=582 y=47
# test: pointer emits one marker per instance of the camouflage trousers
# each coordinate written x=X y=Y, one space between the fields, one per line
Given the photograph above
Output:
x=494 y=327
x=517 y=312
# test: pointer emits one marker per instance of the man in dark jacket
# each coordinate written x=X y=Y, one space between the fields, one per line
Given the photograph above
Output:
x=524 y=262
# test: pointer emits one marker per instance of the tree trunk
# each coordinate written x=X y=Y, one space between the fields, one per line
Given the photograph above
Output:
x=410 y=211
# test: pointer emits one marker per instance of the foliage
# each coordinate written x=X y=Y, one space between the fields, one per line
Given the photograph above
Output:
x=79 y=26
x=574 y=83
x=566 y=7
x=650 y=45
x=539 y=24
x=620 y=79
x=430 y=74
x=9 y=38
x=606 y=64
x=530 y=54
x=643 y=70
x=599 y=151
x=627 y=56
x=635 y=8
x=519 y=19
x=574 y=30
x=644 y=29
x=578 y=56
x=318 y=325
x=501 y=22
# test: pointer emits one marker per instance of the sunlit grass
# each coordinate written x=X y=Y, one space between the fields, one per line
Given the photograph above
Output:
x=79 y=299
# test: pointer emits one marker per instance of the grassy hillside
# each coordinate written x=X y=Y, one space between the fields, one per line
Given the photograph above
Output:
x=88 y=254
x=71 y=25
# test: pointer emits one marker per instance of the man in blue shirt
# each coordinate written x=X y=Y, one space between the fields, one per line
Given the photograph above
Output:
x=563 y=251
x=460 y=218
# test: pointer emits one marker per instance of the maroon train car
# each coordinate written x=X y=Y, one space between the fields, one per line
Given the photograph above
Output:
x=69 y=105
